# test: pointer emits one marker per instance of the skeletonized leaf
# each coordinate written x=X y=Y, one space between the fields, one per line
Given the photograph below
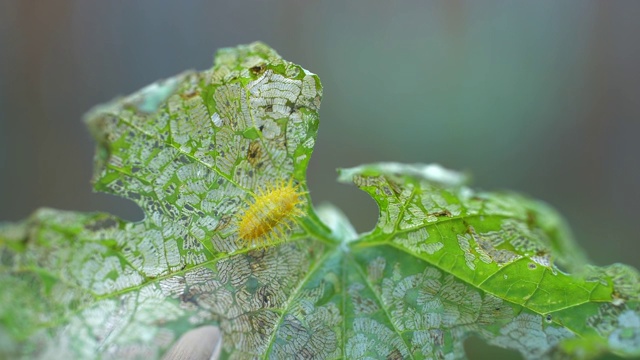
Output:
x=196 y=151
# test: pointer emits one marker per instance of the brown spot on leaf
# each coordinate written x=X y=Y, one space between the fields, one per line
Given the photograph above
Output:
x=224 y=222
x=190 y=94
x=394 y=355
x=441 y=213
x=254 y=153
x=258 y=69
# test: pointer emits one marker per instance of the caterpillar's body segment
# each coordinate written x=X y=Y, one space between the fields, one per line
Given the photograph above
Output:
x=272 y=212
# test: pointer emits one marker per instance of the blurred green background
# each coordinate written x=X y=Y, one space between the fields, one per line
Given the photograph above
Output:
x=542 y=97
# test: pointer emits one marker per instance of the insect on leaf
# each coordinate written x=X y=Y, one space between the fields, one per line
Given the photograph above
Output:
x=217 y=161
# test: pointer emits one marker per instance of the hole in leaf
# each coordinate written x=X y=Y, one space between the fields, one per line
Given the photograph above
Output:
x=125 y=209
x=478 y=349
x=358 y=206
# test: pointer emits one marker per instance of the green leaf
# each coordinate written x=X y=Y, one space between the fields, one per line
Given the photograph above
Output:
x=444 y=262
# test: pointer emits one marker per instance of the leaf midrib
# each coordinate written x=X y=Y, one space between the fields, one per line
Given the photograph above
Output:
x=294 y=294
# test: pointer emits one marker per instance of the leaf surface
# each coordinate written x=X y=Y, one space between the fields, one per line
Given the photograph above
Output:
x=443 y=263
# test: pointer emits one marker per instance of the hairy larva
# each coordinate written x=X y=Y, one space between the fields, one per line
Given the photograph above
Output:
x=272 y=212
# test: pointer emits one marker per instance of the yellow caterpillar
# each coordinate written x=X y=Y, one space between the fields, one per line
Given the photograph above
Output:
x=272 y=212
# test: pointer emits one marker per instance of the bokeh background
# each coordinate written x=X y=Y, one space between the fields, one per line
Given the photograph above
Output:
x=542 y=97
